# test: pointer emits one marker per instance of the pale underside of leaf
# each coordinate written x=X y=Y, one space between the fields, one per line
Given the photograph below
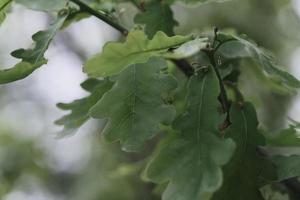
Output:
x=237 y=47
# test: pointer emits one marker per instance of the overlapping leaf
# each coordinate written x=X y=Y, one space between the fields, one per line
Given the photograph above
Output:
x=191 y=161
x=272 y=193
x=157 y=16
x=80 y=108
x=4 y=4
x=242 y=173
x=33 y=58
x=235 y=47
x=287 y=166
x=286 y=138
x=198 y=1
x=136 y=49
x=134 y=105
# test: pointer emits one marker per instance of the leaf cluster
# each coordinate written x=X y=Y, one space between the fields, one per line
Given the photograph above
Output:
x=212 y=146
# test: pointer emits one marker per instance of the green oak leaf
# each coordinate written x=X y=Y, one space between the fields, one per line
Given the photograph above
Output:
x=136 y=49
x=4 y=5
x=287 y=166
x=134 y=105
x=157 y=16
x=285 y=138
x=33 y=58
x=191 y=161
x=235 y=47
x=272 y=193
x=80 y=108
x=242 y=173
x=43 y=5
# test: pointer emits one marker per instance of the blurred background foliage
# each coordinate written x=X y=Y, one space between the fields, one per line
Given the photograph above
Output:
x=37 y=166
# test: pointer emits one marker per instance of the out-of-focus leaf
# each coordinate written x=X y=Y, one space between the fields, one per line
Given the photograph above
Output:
x=287 y=166
x=43 y=5
x=136 y=49
x=289 y=137
x=4 y=5
x=33 y=58
x=80 y=108
x=157 y=16
x=270 y=193
x=19 y=156
x=198 y=1
x=237 y=48
x=190 y=161
x=75 y=16
x=242 y=172
x=134 y=105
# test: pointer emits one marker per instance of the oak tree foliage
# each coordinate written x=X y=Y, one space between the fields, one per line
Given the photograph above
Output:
x=212 y=147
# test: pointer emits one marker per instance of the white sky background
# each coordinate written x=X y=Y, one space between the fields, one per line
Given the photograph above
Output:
x=295 y=70
x=59 y=81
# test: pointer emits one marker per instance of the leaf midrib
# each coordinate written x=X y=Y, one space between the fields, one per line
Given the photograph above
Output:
x=50 y=38
x=5 y=4
x=199 y=117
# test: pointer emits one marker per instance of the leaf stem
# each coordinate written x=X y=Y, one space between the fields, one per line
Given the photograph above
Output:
x=210 y=52
x=101 y=15
x=223 y=95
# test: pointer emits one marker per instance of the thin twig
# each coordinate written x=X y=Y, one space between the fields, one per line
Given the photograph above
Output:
x=210 y=52
x=86 y=8
x=223 y=95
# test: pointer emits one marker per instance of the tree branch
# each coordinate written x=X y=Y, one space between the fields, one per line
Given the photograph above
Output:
x=101 y=15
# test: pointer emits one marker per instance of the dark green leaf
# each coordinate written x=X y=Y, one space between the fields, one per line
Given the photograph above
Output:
x=187 y=49
x=134 y=105
x=191 y=160
x=242 y=173
x=287 y=166
x=157 y=16
x=80 y=108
